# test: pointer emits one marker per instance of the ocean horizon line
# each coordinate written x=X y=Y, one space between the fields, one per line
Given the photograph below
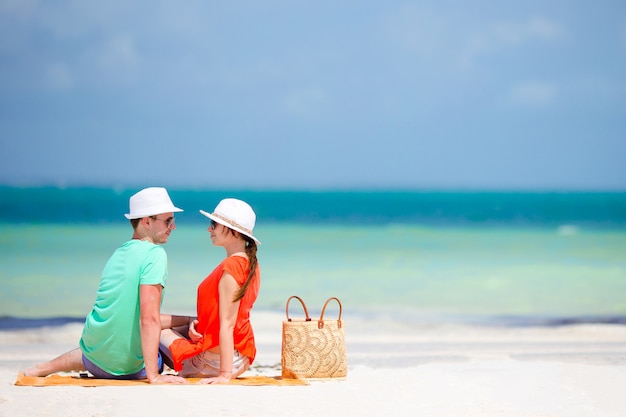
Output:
x=51 y=204
x=381 y=188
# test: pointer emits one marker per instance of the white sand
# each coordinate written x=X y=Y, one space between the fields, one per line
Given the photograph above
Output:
x=428 y=371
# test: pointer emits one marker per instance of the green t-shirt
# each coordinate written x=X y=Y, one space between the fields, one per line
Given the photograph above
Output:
x=111 y=337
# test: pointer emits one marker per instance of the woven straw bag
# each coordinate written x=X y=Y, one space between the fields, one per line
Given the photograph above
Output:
x=313 y=349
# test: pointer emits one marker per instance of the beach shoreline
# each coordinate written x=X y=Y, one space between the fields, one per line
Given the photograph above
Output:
x=443 y=370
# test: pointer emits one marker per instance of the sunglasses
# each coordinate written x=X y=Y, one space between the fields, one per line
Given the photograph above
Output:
x=168 y=222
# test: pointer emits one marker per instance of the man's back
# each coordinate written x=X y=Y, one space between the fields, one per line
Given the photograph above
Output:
x=111 y=338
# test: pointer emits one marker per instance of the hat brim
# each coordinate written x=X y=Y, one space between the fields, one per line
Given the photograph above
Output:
x=148 y=214
x=230 y=226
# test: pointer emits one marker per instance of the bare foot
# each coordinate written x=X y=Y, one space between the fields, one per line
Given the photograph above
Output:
x=34 y=371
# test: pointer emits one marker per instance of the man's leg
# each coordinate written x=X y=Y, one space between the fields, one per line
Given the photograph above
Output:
x=167 y=338
x=69 y=361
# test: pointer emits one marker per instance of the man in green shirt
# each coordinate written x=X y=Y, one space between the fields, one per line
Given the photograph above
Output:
x=120 y=339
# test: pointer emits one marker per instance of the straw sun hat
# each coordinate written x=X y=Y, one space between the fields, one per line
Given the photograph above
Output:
x=150 y=202
x=235 y=214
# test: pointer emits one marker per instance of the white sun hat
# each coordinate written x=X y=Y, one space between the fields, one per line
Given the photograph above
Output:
x=235 y=214
x=150 y=202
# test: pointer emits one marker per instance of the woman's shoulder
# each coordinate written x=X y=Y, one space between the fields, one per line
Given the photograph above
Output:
x=236 y=261
x=236 y=265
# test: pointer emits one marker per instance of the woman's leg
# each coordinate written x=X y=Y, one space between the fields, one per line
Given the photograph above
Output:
x=207 y=365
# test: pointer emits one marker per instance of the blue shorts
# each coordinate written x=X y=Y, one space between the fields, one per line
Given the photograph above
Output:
x=99 y=373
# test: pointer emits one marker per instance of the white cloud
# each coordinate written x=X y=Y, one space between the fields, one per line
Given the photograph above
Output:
x=415 y=29
x=117 y=53
x=537 y=28
x=503 y=35
x=475 y=47
x=17 y=9
x=57 y=76
x=307 y=102
x=596 y=88
x=544 y=29
x=533 y=93
x=112 y=62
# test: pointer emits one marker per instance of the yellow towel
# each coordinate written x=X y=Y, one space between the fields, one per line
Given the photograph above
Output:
x=52 y=380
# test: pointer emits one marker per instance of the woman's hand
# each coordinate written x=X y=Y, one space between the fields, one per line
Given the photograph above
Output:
x=221 y=379
x=193 y=334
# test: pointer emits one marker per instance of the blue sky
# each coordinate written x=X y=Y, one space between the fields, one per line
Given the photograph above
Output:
x=314 y=94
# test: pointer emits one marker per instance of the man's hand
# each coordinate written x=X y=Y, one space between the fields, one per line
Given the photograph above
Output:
x=168 y=379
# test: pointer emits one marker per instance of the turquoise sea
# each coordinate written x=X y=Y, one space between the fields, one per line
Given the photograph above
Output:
x=513 y=258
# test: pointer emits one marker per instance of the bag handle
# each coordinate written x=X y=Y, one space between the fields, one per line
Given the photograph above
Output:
x=320 y=322
x=306 y=312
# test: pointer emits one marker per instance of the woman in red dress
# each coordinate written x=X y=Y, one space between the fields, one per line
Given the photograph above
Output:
x=219 y=344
